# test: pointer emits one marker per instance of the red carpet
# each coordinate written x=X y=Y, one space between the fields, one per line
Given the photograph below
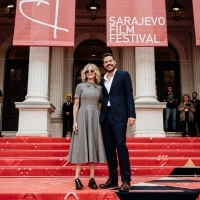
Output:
x=60 y=188
x=36 y=168
x=34 y=156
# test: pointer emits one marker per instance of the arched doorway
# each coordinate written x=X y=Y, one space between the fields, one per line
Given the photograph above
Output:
x=167 y=70
x=15 y=85
x=167 y=74
x=89 y=51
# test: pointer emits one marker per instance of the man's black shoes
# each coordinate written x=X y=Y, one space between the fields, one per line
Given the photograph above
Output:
x=125 y=187
x=110 y=183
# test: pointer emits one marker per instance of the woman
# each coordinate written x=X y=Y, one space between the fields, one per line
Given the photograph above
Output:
x=186 y=110
x=87 y=143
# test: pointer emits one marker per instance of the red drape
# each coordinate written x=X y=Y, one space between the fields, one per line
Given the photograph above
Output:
x=196 y=9
x=136 y=23
x=44 y=23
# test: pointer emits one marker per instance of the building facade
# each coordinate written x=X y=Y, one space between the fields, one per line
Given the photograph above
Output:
x=36 y=80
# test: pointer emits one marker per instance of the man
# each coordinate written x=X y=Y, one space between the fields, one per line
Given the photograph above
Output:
x=196 y=103
x=117 y=109
x=67 y=110
x=171 y=108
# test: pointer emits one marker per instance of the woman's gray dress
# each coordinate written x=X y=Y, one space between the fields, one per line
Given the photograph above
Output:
x=87 y=146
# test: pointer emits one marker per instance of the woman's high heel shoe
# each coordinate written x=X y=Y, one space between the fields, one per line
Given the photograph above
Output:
x=78 y=184
x=92 y=184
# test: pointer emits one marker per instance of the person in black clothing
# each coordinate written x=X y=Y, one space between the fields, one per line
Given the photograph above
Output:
x=196 y=103
x=186 y=113
x=171 y=108
x=67 y=110
x=118 y=109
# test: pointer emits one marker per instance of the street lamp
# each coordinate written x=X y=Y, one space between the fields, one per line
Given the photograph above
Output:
x=176 y=10
x=9 y=6
x=93 y=8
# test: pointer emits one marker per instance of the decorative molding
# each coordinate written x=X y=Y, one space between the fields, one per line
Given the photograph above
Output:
x=178 y=46
x=86 y=36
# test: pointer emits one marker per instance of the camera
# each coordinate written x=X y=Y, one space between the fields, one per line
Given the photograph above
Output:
x=188 y=104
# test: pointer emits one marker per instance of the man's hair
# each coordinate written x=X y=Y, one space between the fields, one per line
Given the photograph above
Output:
x=107 y=54
x=194 y=93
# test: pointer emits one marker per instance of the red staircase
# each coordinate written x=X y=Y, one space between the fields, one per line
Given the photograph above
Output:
x=42 y=156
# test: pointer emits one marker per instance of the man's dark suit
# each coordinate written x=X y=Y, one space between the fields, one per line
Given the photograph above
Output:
x=114 y=123
x=67 y=118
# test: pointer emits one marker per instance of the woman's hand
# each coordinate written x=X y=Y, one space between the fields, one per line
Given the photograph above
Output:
x=75 y=127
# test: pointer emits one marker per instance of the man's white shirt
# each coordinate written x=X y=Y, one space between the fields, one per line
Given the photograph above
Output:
x=108 y=83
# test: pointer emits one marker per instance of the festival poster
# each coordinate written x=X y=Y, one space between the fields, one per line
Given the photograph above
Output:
x=196 y=9
x=136 y=23
x=44 y=23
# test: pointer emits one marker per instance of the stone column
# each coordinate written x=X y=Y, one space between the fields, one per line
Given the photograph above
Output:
x=35 y=112
x=68 y=78
x=56 y=89
x=149 y=111
x=185 y=77
x=196 y=66
x=190 y=63
x=128 y=64
x=38 y=75
x=145 y=79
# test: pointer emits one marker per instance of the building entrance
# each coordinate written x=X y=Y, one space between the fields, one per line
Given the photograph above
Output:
x=167 y=74
x=15 y=86
x=89 y=51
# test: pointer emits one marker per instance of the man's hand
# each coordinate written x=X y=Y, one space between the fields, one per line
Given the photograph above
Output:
x=67 y=113
x=131 y=121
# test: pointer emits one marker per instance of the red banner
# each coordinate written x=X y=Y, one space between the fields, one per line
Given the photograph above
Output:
x=196 y=9
x=136 y=23
x=44 y=23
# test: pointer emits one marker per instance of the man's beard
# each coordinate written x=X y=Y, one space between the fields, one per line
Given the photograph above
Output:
x=194 y=97
x=110 y=70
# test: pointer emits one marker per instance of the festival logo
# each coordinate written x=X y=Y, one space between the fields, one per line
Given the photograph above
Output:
x=44 y=23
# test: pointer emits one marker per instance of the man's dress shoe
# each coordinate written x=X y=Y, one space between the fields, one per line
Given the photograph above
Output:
x=125 y=187
x=110 y=183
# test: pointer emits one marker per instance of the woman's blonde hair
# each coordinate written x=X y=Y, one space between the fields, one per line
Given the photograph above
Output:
x=97 y=78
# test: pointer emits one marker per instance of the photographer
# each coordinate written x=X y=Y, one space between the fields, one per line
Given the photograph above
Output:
x=171 y=108
x=187 y=111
